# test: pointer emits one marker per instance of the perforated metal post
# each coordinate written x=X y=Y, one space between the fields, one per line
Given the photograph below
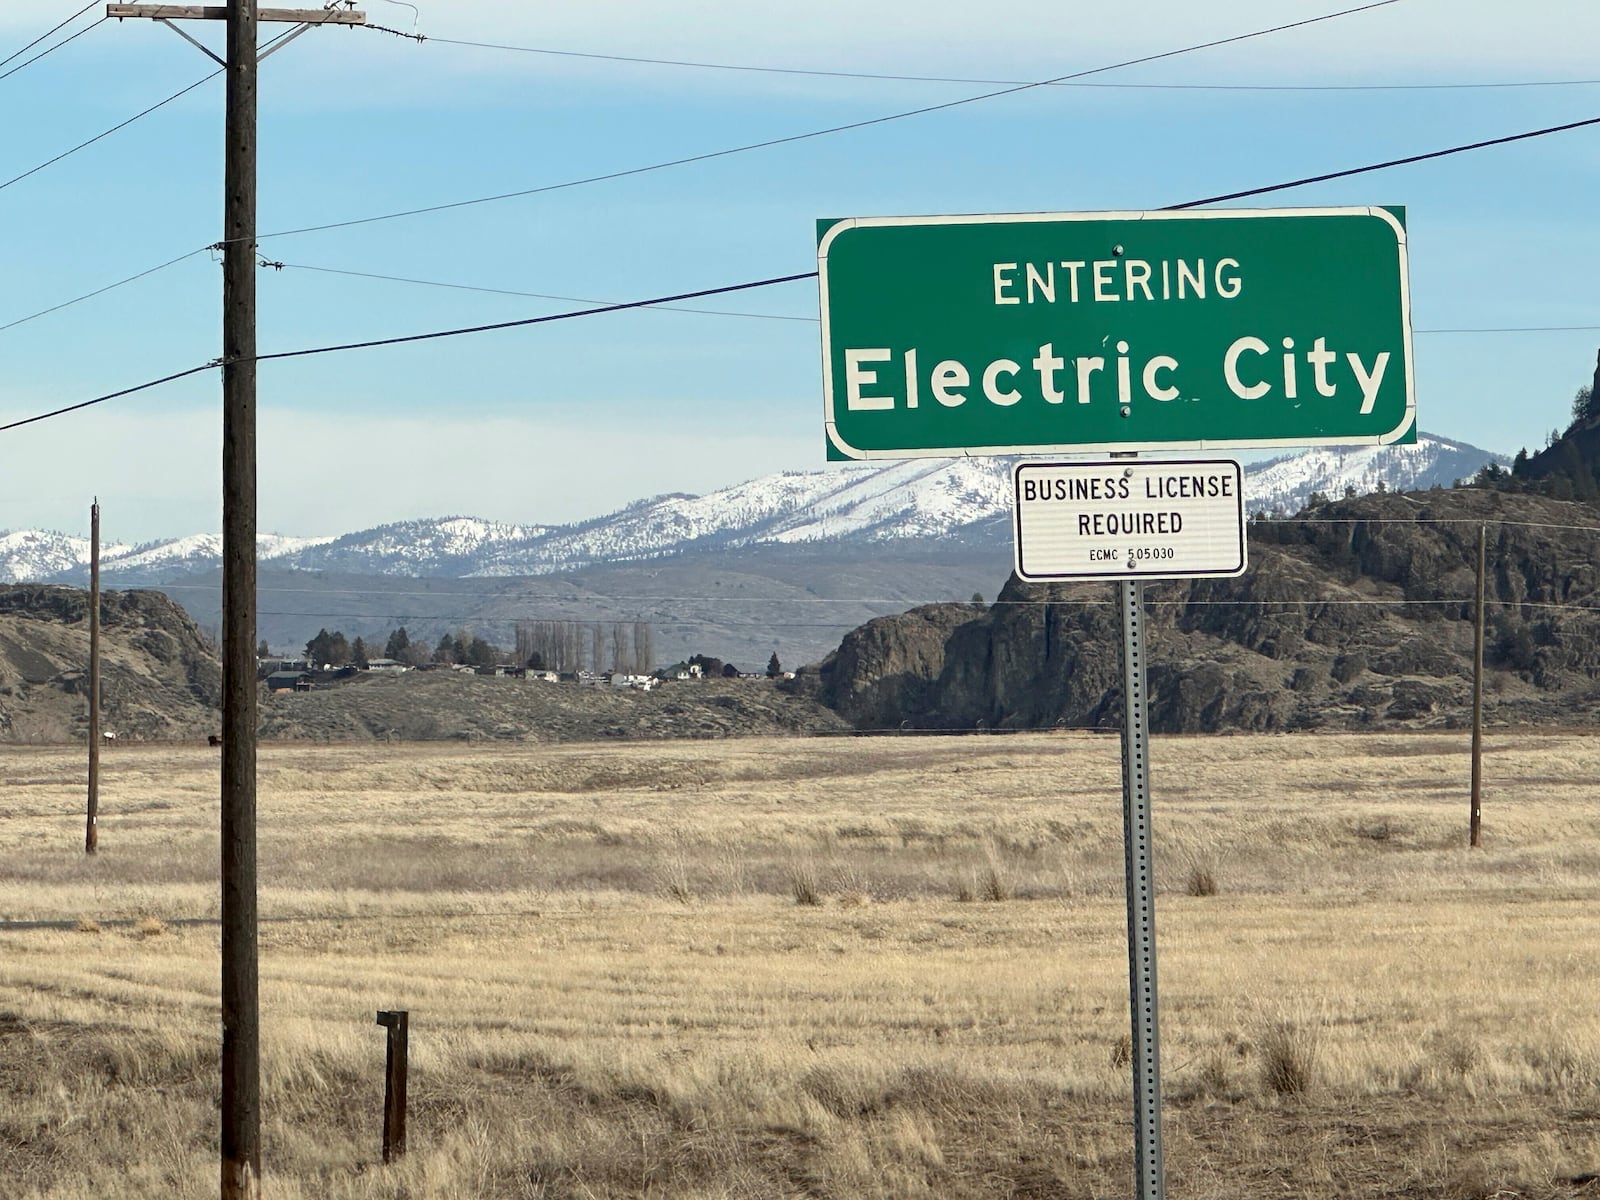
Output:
x=1141 y=899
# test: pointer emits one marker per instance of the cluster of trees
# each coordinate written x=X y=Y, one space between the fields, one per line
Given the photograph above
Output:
x=627 y=646
x=336 y=650
x=712 y=668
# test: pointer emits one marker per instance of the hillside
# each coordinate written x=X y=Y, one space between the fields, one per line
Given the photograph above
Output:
x=441 y=705
x=158 y=677
x=1358 y=615
x=160 y=680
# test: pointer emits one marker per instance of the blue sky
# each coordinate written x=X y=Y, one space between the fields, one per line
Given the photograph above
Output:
x=568 y=420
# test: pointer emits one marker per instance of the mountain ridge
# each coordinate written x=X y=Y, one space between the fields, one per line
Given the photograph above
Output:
x=854 y=504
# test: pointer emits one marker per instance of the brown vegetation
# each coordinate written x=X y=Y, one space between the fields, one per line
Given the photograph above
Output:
x=738 y=969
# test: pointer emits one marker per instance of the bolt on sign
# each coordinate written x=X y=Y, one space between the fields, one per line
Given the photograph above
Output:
x=1078 y=332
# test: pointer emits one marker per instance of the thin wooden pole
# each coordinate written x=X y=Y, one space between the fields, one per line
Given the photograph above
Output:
x=91 y=831
x=1476 y=824
x=241 y=1051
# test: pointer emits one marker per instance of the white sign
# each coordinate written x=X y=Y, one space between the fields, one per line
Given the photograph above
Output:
x=1126 y=519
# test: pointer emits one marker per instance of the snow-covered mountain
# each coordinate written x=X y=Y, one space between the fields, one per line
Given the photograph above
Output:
x=32 y=554
x=853 y=504
x=1285 y=484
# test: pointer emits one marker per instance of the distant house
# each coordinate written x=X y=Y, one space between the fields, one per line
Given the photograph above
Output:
x=391 y=665
x=544 y=676
x=288 y=681
x=642 y=682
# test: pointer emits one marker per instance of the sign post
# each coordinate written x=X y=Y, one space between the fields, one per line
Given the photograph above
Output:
x=1141 y=888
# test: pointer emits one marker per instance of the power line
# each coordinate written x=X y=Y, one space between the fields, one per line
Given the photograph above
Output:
x=140 y=387
x=107 y=133
x=171 y=262
x=52 y=49
x=722 y=312
x=816 y=133
x=18 y=53
x=739 y=287
x=883 y=76
x=465 y=287
x=150 y=270
x=1393 y=162
x=563 y=316
x=124 y=124
x=416 y=337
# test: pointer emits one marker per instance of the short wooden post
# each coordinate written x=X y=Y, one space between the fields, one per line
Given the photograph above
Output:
x=394 y=1085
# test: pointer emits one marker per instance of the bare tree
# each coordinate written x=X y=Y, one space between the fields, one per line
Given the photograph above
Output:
x=563 y=645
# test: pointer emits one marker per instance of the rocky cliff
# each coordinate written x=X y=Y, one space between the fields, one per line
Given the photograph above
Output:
x=1356 y=614
x=159 y=677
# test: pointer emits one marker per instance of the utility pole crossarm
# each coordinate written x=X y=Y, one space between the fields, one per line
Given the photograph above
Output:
x=217 y=12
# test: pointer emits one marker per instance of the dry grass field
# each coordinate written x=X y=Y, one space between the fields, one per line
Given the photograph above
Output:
x=816 y=968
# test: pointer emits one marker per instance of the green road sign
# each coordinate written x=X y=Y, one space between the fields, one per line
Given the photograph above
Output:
x=1115 y=331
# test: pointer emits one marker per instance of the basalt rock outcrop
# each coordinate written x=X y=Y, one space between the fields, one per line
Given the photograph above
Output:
x=1356 y=614
x=159 y=677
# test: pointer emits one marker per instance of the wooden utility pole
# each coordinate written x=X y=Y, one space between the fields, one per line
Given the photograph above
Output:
x=241 y=1042
x=1475 y=836
x=91 y=831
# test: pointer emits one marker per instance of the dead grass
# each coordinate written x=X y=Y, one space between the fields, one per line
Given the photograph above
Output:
x=616 y=988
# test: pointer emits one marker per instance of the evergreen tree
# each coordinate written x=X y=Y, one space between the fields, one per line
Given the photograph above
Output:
x=263 y=650
x=445 y=651
x=319 y=649
x=358 y=653
x=395 y=647
x=1584 y=405
x=774 y=667
x=339 y=649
